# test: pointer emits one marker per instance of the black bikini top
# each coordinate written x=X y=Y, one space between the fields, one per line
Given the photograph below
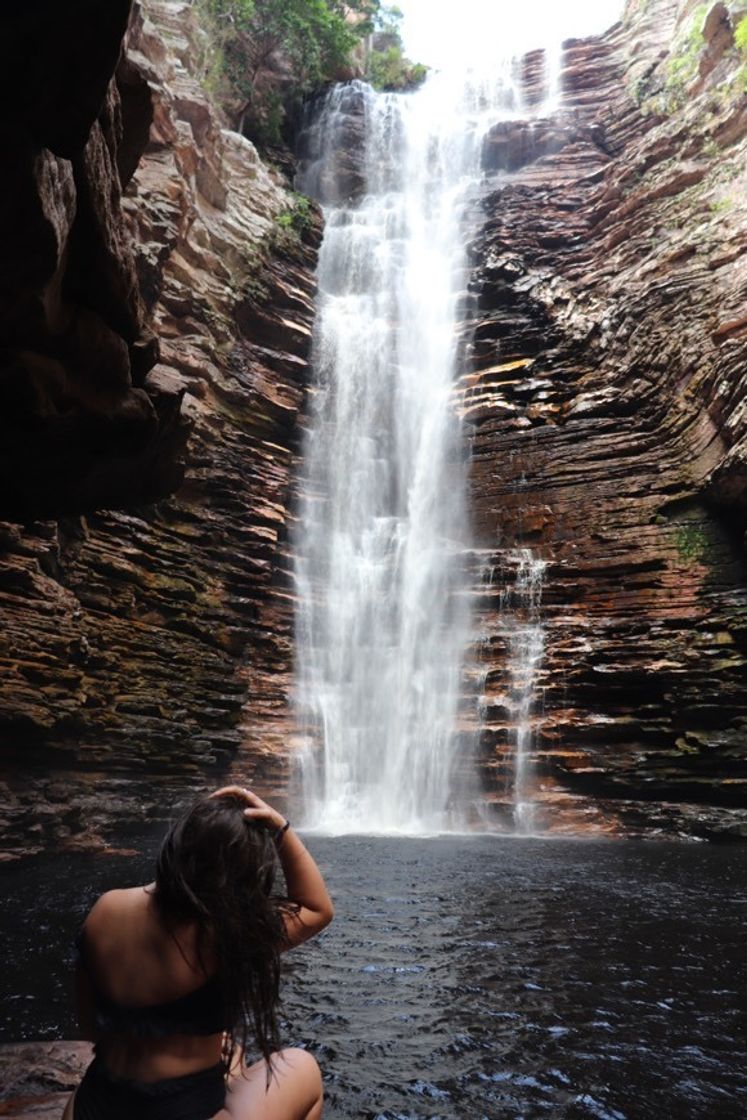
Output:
x=200 y=1012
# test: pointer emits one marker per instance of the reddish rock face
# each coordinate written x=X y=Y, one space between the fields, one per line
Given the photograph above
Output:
x=146 y=653
x=131 y=641
x=605 y=380
x=37 y=1078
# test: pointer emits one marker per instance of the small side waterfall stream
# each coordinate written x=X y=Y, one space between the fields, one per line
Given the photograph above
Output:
x=525 y=638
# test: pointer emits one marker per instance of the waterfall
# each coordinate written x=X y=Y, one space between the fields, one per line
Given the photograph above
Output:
x=522 y=628
x=383 y=623
x=383 y=615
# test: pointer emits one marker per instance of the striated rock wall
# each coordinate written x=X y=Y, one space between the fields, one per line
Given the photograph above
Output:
x=604 y=391
x=130 y=639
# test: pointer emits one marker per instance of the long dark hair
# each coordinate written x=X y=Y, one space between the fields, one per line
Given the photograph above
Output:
x=217 y=869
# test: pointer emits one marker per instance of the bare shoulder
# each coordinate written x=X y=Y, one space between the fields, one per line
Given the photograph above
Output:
x=113 y=904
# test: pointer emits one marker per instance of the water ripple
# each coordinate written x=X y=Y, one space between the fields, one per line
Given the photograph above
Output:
x=475 y=979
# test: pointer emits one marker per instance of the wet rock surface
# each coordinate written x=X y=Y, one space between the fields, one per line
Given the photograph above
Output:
x=38 y=1077
x=340 y=177
x=131 y=640
x=606 y=367
x=146 y=653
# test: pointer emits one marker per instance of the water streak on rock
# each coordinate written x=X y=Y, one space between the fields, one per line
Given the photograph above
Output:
x=525 y=637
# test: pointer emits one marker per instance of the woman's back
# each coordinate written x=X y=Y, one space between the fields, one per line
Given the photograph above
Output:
x=174 y=978
x=156 y=1011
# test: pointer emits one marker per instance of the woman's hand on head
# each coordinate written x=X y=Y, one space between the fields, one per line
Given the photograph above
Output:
x=256 y=809
x=304 y=882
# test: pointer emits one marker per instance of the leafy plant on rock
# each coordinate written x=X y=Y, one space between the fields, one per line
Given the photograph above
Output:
x=691 y=542
x=387 y=67
x=740 y=35
x=299 y=217
x=683 y=65
x=270 y=53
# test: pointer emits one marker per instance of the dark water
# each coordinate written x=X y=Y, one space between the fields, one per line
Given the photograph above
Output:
x=476 y=977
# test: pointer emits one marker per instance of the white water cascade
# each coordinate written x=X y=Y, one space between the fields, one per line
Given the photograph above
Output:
x=383 y=618
x=522 y=627
x=383 y=622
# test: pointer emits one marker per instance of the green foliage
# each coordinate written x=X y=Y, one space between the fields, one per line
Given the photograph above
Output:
x=255 y=43
x=312 y=35
x=390 y=70
x=683 y=65
x=299 y=217
x=224 y=21
x=740 y=35
x=287 y=234
x=691 y=542
x=265 y=116
x=236 y=13
x=387 y=67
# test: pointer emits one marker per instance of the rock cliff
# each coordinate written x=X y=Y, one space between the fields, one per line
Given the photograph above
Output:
x=131 y=640
x=606 y=370
x=160 y=282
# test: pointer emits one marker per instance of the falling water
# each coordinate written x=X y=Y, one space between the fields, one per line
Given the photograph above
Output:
x=383 y=622
x=525 y=641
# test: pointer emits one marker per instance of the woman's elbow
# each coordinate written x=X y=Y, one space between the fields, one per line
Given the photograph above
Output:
x=323 y=915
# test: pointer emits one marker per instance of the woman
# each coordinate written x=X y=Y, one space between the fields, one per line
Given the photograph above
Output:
x=174 y=977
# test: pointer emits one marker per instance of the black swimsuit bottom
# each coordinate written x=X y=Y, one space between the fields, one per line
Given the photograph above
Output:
x=196 y=1096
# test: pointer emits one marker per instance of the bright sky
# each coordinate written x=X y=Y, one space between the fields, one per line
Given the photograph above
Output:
x=442 y=33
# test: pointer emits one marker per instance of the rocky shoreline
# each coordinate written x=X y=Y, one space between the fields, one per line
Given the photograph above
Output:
x=38 y=1077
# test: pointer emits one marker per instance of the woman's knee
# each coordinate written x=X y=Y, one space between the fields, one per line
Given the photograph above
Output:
x=293 y=1092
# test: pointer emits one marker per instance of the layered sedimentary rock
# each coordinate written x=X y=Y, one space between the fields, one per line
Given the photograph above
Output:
x=130 y=640
x=603 y=392
x=604 y=389
x=37 y=1078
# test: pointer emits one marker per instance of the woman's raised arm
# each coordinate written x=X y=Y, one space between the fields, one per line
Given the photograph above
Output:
x=304 y=882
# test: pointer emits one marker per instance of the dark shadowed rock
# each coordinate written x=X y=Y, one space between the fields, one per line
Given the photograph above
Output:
x=718 y=34
x=513 y=144
x=76 y=429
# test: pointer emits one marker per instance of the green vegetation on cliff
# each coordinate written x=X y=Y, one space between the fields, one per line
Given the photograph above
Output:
x=263 y=55
x=387 y=67
x=740 y=35
x=702 y=55
x=682 y=67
